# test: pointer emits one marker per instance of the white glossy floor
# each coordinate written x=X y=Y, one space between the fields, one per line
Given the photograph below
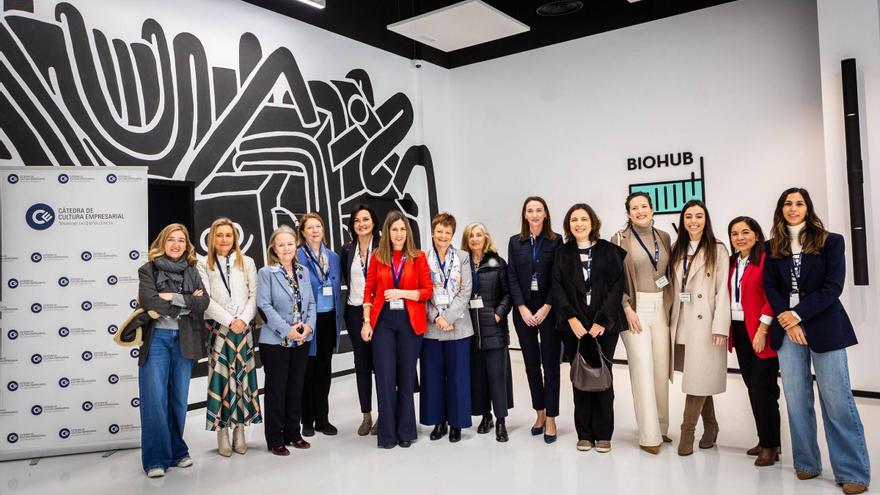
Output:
x=351 y=464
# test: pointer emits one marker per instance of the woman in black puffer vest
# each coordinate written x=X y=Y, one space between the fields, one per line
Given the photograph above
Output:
x=491 y=382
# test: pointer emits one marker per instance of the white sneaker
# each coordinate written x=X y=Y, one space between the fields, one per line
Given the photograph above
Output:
x=184 y=463
x=156 y=472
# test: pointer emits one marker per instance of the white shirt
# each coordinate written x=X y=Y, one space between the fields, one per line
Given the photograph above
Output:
x=736 y=309
x=242 y=303
x=357 y=282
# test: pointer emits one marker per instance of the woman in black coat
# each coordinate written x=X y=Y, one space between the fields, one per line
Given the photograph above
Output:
x=491 y=381
x=588 y=285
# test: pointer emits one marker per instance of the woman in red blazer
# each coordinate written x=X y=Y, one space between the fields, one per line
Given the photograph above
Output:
x=751 y=317
x=398 y=284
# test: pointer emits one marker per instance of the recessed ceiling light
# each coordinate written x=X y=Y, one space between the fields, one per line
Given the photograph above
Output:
x=318 y=4
x=559 y=7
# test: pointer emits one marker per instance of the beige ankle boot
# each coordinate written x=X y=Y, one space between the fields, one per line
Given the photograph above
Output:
x=693 y=404
x=223 y=442
x=710 y=424
x=238 y=442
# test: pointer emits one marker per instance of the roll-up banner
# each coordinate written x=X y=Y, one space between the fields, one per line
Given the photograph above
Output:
x=72 y=241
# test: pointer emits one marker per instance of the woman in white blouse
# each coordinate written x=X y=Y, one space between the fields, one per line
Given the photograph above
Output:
x=231 y=280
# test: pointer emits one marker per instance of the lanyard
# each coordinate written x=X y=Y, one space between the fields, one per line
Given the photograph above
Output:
x=588 y=267
x=656 y=259
x=475 y=277
x=738 y=280
x=222 y=276
x=369 y=253
x=686 y=268
x=444 y=275
x=397 y=271
x=294 y=284
x=537 y=243
x=796 y=260
x=316 y=265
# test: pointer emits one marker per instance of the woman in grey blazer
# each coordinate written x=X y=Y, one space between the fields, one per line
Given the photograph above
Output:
x=445 y=396
x=286 y=302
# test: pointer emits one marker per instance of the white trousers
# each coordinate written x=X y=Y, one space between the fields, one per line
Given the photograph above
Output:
x=648 y=355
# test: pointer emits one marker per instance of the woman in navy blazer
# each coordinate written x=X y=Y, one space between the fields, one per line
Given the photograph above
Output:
x=284 y=296
x=326 y=280
x=803 y=279
x=530 y=269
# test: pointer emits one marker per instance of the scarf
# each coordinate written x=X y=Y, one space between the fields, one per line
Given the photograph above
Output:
x=169 y=276
x=453 y=270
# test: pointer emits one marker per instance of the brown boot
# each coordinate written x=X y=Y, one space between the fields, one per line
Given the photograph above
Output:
x=693 y=404
x=710 y=424
x=754 y=450
x=767 y=457
x=853 y=488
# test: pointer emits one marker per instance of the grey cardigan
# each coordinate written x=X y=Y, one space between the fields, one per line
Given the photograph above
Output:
x=191 y=327
x=457 y=312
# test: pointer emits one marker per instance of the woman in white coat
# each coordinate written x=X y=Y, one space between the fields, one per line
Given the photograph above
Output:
x=231 y=280
x=700 y=321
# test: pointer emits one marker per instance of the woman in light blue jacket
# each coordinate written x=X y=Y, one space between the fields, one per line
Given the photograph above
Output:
x=287 y=305
x=324 y=274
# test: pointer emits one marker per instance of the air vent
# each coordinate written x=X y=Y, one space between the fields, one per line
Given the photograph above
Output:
x=559 y=7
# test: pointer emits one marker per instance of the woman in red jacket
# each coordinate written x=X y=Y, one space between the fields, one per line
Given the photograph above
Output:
x=398 y=284
x=751 y=317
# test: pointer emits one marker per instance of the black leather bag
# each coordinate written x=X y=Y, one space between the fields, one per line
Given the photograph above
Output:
x=586 y=378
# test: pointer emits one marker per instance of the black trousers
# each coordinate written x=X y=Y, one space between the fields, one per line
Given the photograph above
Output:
x=546 y=354
x=363 y=356
x=760 y=376
x=594 y=411
x=491 y=383
x=285 y=369
x=316 y=391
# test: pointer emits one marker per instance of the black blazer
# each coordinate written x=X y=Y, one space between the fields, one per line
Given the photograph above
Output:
x=519 y=271
x=823 y=318
x=570 y=289
x=491 y=285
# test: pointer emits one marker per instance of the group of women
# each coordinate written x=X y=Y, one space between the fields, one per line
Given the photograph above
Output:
x=677 y=305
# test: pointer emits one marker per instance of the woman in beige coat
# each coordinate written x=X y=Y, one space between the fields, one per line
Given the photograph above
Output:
x=700 y=322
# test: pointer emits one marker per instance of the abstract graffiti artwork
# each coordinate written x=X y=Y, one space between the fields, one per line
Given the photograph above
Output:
x=260 y=142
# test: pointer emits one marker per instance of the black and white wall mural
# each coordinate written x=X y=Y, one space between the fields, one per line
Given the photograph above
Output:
x=261 y=142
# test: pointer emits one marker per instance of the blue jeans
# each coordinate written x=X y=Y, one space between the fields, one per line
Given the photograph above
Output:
x=843 y=428
x=163 y=382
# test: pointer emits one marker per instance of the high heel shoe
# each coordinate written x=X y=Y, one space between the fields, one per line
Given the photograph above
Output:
x=439 y=431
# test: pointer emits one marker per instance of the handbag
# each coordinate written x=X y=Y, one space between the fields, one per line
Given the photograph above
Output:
x=586 y=378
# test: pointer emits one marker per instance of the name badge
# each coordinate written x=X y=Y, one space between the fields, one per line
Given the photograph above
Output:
x=589 y=298
x=327 y=290
x=534 y=286
x=232 y=308
x=737 y=315
x=397 y=304
x=441 y=297
x=476 y=303
x=794 y=299
x=661 y=282
x=684 y=297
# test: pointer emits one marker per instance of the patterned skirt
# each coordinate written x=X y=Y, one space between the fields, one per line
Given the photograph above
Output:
x=232 y=378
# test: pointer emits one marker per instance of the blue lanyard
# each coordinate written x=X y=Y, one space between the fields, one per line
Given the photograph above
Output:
x=537 y=244
x=656 y=259
x=737 y=282
x=475 y=278
x=444 y=276
x=316 y=265
x=294 y=285
x=222 y=276
x=397 y=271
x=364 y=265
x=796 y=260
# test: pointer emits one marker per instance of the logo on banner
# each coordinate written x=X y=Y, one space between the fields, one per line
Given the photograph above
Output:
x=135 y=353
x=12 y=334
x=12 y=179
x=87 y=406
x=113 y=429
x=86 y=256
x=63 y=281
x=64 y=433
x=12 y=283
x=111 y=178
x=134 y=254
x=40 y=216
x=12 y=437
x=112 y=329
x=64 y=382
x=36 y=307
x=36 y=410
x=36 y=358
x=12 y=386
x=113 y=379
x=63 y=331
x=133 y=304
x=669 y=196
x=112 y=280
x=136 y=402
x=86 y=305
x=87 y=355
x=36 y=257
x=63 y=178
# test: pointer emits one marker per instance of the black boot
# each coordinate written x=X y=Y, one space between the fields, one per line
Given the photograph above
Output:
x=454 y=434
x=485 y=425
x=500 y=430
x=439 y=431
